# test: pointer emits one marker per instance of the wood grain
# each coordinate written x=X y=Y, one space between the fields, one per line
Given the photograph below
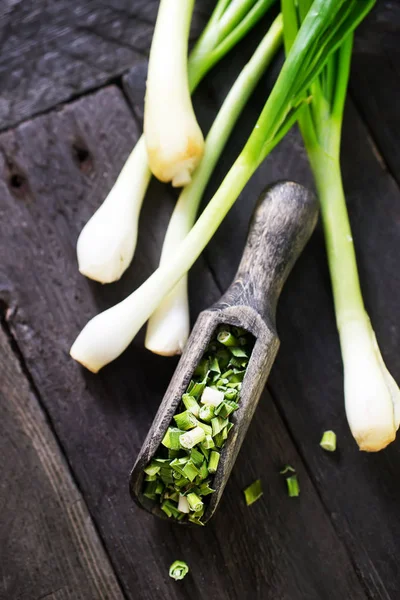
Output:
x=49 y=547
x=375 y=80
x=101 y=421
x=51 y=51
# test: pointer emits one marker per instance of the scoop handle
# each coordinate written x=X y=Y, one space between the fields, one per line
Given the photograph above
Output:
x=282 y=223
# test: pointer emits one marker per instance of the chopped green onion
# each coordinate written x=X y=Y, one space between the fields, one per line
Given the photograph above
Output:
x=203 y=471
x=178 y=570
x=218 y=424
x=208 y=442
x=192 y=437
x=205 y=489
x=206 y=413
x=191 y=404
x=213 y=461
x=205 y=427
x=185 y=420
x=287 y=469
x=195 y=503
x=190 y=471
x=214 y=365
x=212 y=397
x=226 y=408
x=328 y=441
x=152 y=468
x=196 y=457
x=183 y=504
x=253 y=492
x=227 y=339
x=238 y=352
x=293 y=486
x=171 y=439
x=170 y=509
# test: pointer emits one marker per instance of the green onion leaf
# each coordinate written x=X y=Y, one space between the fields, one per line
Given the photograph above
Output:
x=192 y=437
x=171 y=438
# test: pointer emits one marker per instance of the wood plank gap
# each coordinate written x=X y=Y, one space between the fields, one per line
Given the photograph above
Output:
x=114 y=80
x=19 y=357
x=376 y=148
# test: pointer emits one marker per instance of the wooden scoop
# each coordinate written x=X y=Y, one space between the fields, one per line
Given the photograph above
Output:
x=282 y=223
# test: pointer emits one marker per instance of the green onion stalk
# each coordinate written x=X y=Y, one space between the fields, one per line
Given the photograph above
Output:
x=168 y=327
x=107 y=242
x=372 y=397
x=325 y=26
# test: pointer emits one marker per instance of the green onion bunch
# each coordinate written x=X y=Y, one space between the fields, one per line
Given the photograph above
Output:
x=179 y=476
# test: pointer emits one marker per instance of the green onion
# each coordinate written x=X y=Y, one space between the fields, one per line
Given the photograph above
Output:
x=190 y=471
x=168 y=326
x=191 y=404
x=218 y=424
x=293 y=486
x=197 y=457
x=172 y=438
x=227 y=339
x=328 y=441
x=195 y=503
x=213 y=461
x=170 y=509
x=107 y=243
x=253 y=492
x=206 y=413
x=212 y=397
x=226 y=408
x=152 y=468
x=208 y=442
x=183 y=504
x=178 y=570
x=192 y=437
x=327 y=23
x=185 y=420
x=287 y=469
x=372 y=398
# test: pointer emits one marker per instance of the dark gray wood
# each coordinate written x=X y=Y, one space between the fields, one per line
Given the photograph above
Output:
x=277 y=549
x=375 y=80
x=48 y=545
x=51 y=52
x=282 y=223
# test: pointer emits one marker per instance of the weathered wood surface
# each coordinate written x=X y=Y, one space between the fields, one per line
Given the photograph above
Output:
x=52 y=51
x=49 y=547
x=341 y=538
x=375 y=82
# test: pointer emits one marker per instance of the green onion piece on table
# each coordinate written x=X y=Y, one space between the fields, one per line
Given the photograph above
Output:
x=293 y=486
x=178 y=570
x=107 y=243
x=287 y=469
x=372 y=397
x=324 y=28
x=253 y=492
x=328 y=441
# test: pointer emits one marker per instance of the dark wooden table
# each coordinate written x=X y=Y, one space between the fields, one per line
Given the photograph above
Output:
x=72 y=78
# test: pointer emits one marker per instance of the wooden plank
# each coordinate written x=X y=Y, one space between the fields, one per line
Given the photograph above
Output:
x=360 y=491
x=49 y=547
x=375 y=81
x=259 y=552
x=53 y=51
